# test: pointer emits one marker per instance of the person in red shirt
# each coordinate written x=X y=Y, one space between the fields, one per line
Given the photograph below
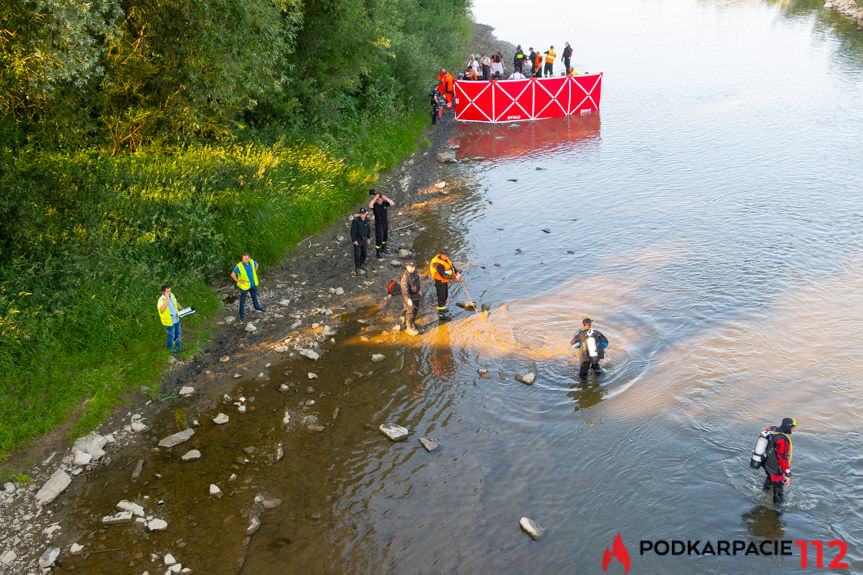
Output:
x=777 y=461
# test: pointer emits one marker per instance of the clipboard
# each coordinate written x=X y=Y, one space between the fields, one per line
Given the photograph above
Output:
x=185 y=311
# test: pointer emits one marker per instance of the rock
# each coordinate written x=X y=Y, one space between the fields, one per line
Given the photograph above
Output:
x=225 y=358
x=92 y=443
x=329 y=331
x=530 y=527
x=287 y=418
x=396 y=263
x=119 y=517
x=429 y=444
x=81 y=457
x=440 y=185
x=191 y=455
x=312 y=375
x=376 y=357
x=9 y=487
x=139 y=427
x=215 y=491
x=281 y=349
x=284 y=302
x=49 y=557
x=526 y=378
x=310 y=354
x=340 y=291
x=229 y=319
x=186 y=391
x=241 y=408
x=177 y=438
x=446 y=157
x=139 y=467
x=8 y=557
x=131 y=507
x=280 y=452
x=157 y=524
x=250 y=327
x=394 y=432
x=238 y=375
x=254 y=525
x=483 y=373
x=221 y=419
x=169 y=560
x=75 y=548
x=404 y=254
x=53 y=487
x=271 y=502
x=50 y=530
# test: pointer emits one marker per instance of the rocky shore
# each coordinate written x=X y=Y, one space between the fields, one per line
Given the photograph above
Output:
x=848 y=8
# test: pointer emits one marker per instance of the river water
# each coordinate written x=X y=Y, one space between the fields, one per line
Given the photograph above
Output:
x=708 y=220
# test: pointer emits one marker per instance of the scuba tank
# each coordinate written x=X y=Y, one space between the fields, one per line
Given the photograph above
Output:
x=759 y=453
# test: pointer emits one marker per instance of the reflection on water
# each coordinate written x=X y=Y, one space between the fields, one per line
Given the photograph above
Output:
x=764 y=522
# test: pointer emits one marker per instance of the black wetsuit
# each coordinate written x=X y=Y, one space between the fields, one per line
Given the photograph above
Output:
x=587 y=361
x=360 y=233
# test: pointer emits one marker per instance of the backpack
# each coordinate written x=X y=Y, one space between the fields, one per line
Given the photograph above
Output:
x=771 y=459
x=394 y=288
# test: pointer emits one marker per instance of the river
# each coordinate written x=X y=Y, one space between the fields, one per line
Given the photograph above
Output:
x=708 y=219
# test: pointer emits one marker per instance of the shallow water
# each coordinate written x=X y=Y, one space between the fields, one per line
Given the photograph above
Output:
x=708 y=220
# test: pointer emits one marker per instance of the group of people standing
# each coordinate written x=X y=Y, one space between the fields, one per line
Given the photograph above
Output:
x=485 y=67
x=539 y=64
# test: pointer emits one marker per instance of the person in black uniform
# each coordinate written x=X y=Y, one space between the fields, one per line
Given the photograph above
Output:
x=518 y=60
x=361 y=237
x=590 y=345
x=412 y=294
x=379 y=204
x=567 y=55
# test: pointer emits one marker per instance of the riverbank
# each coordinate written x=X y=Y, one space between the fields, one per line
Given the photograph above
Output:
x=848 y=8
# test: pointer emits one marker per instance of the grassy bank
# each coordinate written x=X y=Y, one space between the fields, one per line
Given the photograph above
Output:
x=89 y=237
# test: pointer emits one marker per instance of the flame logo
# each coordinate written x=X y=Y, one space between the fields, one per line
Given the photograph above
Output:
x=619 y=552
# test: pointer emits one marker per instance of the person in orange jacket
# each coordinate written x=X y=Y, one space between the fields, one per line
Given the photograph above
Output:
x=447 y=86
x=443 y=272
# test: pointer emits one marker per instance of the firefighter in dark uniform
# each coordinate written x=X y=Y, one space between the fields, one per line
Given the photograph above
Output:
x=379 y=205
x=518 y=60
x=361 y=237
x=777 y=462
x=443 y=272
x=590 y=345
x=412 y=294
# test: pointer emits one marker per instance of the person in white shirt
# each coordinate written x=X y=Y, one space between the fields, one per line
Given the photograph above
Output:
x=590 y=345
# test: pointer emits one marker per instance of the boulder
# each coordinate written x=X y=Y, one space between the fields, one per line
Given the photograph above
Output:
x=92 y=443
x=394 y=432
x=9 y=556
x=177 y=438
x=446 y=157
x=526 y=378
x=133 y=508
x=53 y=487
x=75 y=548
x=157 y=524
x=376 y=357
x=215 y=491
x=139 y=427
x=81 y=457
x=49 y=557
x=191 y=455
x=250 y=327
x=221 y=419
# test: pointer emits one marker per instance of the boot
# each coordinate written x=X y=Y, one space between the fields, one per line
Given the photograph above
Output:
x=378 y=253
x=384 y=248
x=411 y=330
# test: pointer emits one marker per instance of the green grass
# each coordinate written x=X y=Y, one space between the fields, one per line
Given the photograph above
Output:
x=86 y=239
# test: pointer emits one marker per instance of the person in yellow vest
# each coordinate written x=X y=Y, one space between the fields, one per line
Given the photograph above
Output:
x=443 y=272
x=245 y=275
x=549 y=62
x=168 y=309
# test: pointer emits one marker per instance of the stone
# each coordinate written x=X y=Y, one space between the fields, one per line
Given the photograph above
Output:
x=254 y=525
x=139 y=427
x=281 y=348
x=229 y=319
x=376 y=357
x=286 y=419
x=483 y=372
x=221 y=419
x=157 y=524
x=177 y=438
x=309 y=354
x=340 y=291
x=133 y=508
x=394 y=432
x=191 y=455
x=396 y=263
x=530 y=527
x=225 y=358
x=81 y=457
x=8 y=558
x=53 y=487
x=284 y=302
x=215 y=491
x=526 y=378
x=75 y=548
x=404 y=254
x=250 y=327
x=117 y=518
x=169 y=560
x=312 y=375
x=440 y=185
x=446 y=157
x=271 y=502
x=174 y=569
x=9 y=487
x=49 y=557
x=91 y=443
x=241 y=408
x=429 y=444
x=139 y=467
x=186 y=391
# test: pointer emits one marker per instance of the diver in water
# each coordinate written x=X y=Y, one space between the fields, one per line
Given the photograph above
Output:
x=777 y=459
x=590 y=345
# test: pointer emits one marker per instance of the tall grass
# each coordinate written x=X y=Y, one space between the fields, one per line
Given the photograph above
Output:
x=87 y=239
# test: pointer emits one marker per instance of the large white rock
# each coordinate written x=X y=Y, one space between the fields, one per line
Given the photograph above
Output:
x=309 y=354
x=80 y=458
x=186 y=391
x=221 y=419
x=9 y=556
x=526 y=378
x=131 y=507
x=139 y=427
x=91 y=443
x=177 y=438
x=49 y=557
x=429 y=444
x=250 y=327
x=376 y=357
x=157 y=524
x=53 y=487
x=530 y=527
x=119 y=517
x=312 y=375
x=394 y=432
x=340 y=291
x=169 y=559
x=75 y=548
x=215 y=491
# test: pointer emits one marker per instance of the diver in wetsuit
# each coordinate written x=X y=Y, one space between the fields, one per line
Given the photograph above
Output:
x=590 y=345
